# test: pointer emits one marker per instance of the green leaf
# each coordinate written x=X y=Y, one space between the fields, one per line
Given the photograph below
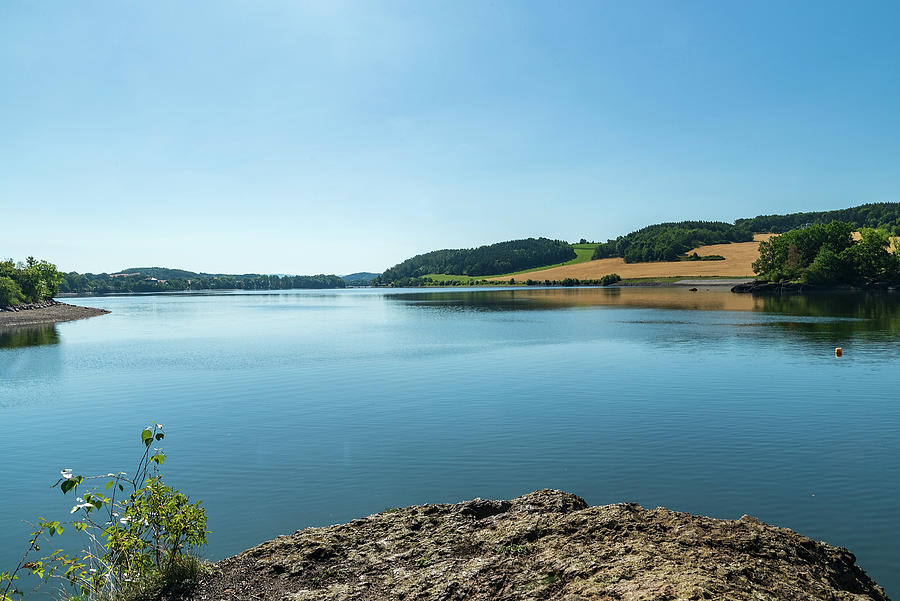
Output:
x=160 y=436
x=147 y=436
x=109 y=484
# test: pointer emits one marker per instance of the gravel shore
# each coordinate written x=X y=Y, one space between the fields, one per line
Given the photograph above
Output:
x=49 y=312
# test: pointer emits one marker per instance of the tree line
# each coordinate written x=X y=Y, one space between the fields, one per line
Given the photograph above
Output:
x=503 y=257
x=138 y=281
x=30 y=282
x=828 y=254
x=670 y=241
x=884 y=215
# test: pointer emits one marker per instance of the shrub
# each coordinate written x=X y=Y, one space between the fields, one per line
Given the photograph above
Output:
x=610 y=279
x=138 y=539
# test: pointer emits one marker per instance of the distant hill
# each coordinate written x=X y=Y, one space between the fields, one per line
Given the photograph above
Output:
x=165 y=273
x=361 y=278
x=875 y=215
x=503 y=257
x=669 y=241
x=165 y=279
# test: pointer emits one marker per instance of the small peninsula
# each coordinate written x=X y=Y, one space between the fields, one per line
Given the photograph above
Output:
x=543 y=545
x=47 y=312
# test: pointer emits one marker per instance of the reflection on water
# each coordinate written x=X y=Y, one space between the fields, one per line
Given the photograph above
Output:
x=837 y=316
x=555 y=298
x=28 y=336
x=880 y=310
x=810 y=321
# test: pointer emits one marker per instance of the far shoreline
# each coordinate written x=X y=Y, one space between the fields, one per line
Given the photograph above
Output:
x=51 y=312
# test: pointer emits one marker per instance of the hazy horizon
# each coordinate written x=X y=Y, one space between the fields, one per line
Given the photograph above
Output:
x=338 y=137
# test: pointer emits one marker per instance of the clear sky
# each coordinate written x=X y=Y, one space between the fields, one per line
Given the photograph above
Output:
x=307 y=137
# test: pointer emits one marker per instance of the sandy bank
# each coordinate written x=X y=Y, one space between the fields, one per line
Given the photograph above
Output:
x=54 y=312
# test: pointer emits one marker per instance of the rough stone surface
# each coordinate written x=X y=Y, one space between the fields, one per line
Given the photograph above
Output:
x=544 y=545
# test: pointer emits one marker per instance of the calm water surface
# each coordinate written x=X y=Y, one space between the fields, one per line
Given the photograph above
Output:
x=303 y=408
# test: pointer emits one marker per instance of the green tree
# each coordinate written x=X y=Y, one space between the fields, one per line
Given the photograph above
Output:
x=870 y=257
x=39 y=280
x=827 y=254
x=10 y=293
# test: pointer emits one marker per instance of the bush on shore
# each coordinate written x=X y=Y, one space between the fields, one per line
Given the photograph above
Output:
x=30 y=282
x=138 y=534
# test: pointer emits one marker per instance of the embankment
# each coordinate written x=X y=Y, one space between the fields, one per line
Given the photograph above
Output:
x=543 y=545
x=45 y=313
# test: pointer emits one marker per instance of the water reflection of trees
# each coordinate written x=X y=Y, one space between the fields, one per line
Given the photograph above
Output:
x=28 y=336
x=837 y=317
x=855 y=312
x=524 y=299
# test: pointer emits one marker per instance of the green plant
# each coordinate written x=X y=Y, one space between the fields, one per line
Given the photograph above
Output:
x=513 y=549
x=137 y=540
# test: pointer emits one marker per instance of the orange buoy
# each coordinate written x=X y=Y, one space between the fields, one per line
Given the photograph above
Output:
x=838 y=352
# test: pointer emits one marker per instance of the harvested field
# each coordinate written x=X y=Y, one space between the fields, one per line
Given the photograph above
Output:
x=739 y=257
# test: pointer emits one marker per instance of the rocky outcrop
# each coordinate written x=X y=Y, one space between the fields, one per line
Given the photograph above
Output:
x=761 y=286
x=764 y=287
x=543 y=545
x=29 y=306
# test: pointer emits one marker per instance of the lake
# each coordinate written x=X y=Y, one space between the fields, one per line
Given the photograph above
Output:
x=289 y=409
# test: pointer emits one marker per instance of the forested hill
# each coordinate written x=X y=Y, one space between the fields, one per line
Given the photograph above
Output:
x=666 y=241
x=162 y=279
x=361 y=278
x=503 y=257
x=669 y=241
x=885 y=215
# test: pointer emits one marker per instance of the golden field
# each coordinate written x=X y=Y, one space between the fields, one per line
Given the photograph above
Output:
x=739 y=257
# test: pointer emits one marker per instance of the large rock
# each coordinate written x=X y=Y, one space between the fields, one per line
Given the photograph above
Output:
x=544 y=545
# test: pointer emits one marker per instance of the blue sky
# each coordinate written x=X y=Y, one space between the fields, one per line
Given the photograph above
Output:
x=295 y=137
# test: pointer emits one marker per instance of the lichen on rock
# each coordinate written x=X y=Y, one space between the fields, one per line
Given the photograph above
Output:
x=544 y=545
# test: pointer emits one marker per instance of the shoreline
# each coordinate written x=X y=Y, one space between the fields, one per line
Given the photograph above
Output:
x=49 y=312
x=763 y=287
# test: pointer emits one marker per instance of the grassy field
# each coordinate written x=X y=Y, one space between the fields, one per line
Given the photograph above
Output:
x=739 y=257
x=737 y=264
x=583 y=254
